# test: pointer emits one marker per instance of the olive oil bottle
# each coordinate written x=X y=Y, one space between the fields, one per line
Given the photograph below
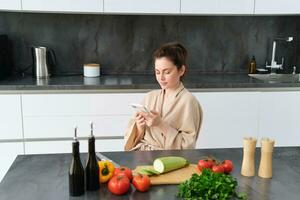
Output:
x=92 y=168
x=76 y=172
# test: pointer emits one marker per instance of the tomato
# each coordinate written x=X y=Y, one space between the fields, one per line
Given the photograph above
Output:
x=141 y=182
x=124 y=170
x=119 y=184
x=227 y=165
x=205 y=164
x=218 y=169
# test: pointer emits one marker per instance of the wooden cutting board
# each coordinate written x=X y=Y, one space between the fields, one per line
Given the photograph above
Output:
x=174 y=177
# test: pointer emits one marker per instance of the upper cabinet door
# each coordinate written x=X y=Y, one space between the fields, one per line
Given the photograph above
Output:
x=217 y=7
x=10 y=4
x=277 y=7
x=94 y=6
x=142 y=6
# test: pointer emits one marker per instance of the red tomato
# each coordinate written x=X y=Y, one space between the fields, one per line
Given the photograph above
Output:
x=124 y=170
x=218 y=169
x=205 y=164
x=227 y=165
x=141 y=182
x=119 y=184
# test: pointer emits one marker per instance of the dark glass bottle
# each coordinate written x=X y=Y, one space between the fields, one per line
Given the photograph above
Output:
x=92 y=168
x=76 y=172
x=252 y=66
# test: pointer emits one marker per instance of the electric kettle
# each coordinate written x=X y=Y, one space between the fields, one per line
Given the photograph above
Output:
x=43 y=61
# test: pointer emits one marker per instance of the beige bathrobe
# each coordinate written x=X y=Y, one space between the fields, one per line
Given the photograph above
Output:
x=180 y=110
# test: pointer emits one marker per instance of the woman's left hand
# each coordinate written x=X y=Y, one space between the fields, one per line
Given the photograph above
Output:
x=153 y=119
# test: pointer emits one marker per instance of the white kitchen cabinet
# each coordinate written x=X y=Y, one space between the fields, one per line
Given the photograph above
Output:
x=79 y=104
x=62 y=126
x=227 y=118
x=142 y=6
x=10 y=4
x=50 y=147
x=10 y=117
x=211 y=7
x=8 y=153
x=94 y=6
x=277 y=7
x=55 y=115
x=280 y=117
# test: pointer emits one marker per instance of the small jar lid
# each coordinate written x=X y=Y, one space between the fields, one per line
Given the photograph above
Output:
x=91 y=65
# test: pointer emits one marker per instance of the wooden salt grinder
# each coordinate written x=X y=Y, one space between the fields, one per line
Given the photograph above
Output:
x=265 y=166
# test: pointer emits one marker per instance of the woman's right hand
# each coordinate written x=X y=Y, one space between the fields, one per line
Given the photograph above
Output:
x=140 y=123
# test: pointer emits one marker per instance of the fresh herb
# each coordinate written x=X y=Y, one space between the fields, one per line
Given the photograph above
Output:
x=209 y=186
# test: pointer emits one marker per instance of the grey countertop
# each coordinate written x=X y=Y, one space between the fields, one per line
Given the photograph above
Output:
x=46 y=176
x=143 y=83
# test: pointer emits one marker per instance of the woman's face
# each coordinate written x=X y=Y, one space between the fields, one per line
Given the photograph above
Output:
x=167 y=74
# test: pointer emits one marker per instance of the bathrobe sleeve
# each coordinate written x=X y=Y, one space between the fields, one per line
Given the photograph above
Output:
x=130 y=135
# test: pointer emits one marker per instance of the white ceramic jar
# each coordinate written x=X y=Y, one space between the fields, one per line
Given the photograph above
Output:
x=91 y=70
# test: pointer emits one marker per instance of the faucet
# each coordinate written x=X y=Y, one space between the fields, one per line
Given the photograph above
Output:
x=274 y=66
x=294 y=70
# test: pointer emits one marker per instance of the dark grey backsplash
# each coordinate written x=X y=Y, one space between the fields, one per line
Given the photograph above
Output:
x=124 y=44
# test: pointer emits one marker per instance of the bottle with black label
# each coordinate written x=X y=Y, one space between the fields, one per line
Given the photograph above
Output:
x=92 y=168
x=76 y=172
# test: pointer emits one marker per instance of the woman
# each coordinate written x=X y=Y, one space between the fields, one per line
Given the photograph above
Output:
x=175 y=115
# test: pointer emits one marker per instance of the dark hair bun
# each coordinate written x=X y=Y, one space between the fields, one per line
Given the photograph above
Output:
x=174 y=51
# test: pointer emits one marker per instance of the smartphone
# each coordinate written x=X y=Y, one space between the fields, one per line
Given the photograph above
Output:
x=139 y=107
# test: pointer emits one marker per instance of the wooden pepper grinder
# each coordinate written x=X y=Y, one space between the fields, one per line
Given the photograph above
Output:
x=248 y=167
x=265 y=166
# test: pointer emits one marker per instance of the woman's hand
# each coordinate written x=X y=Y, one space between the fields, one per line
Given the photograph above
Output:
x=140 y=122
x=153 y=119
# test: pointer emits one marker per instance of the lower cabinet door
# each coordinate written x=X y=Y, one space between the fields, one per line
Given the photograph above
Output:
x=10 y=116
x=51 y=147
x=279 y=117
x=63 y=126
x=227 y=118
x=8 y=153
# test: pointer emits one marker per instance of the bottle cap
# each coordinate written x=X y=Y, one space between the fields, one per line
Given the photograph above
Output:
x=75 y=133
x=92 y=129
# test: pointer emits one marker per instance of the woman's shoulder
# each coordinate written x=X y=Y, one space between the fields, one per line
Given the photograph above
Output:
x=189 y=99
x=187 y=95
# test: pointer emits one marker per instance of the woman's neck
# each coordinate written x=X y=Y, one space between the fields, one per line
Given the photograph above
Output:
x=171 y=90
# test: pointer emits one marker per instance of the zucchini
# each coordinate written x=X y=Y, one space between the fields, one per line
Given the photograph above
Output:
x=169 y=163
x=148 y=171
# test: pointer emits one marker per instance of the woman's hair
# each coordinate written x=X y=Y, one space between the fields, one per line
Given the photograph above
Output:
x=175 y=52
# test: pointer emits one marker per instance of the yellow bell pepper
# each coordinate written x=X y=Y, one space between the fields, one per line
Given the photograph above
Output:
x=106 y=170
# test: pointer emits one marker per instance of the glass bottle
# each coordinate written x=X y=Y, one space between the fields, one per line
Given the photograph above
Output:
x=76 y=172
x=92 y=168
x=252 y=66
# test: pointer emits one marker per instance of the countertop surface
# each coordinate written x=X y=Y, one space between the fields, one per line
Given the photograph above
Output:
x=46 y=176
x=127 y=83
